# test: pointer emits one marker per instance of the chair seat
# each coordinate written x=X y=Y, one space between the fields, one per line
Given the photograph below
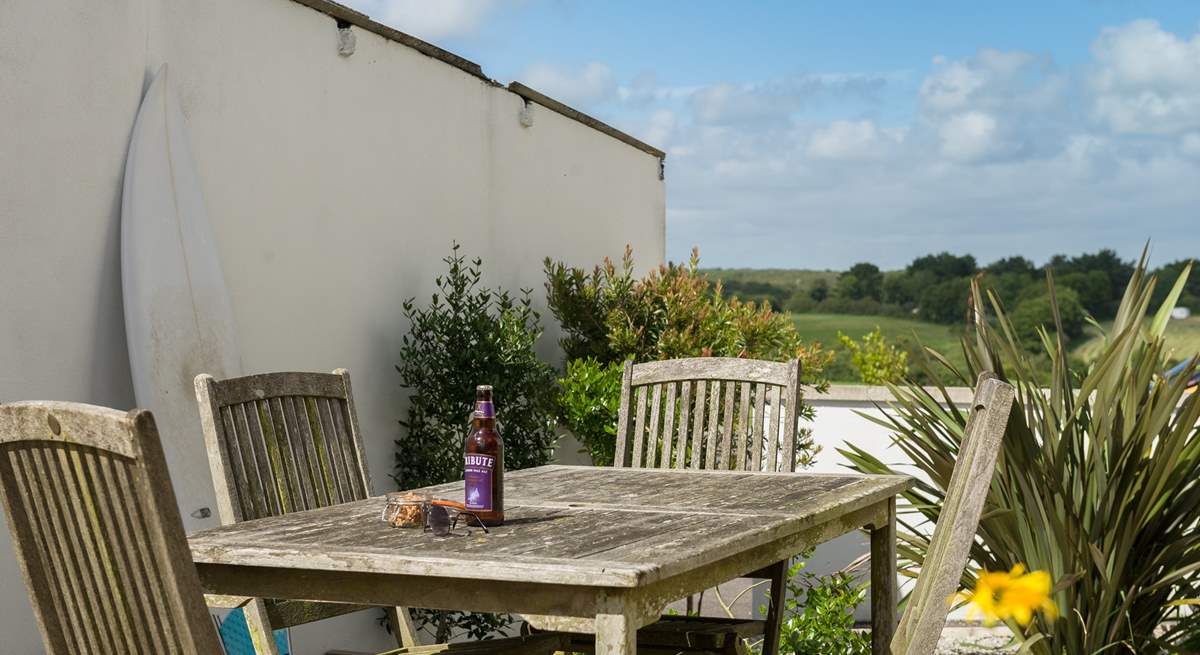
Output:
x=684 y=634
x=538 y=644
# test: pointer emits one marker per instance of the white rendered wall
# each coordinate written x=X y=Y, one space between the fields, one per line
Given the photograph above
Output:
x=335 y=186
x=840 y=420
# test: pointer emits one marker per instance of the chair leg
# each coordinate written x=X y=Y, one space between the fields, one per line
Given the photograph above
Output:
x=261 y=634
x=775 y=609
x=402 y=627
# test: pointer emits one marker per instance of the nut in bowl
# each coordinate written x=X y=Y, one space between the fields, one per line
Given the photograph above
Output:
x=406 y=509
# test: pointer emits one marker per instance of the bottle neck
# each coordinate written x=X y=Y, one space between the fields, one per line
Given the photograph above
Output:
x=484 y=415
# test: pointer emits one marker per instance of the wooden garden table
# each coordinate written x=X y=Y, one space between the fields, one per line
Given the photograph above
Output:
x=584 y=549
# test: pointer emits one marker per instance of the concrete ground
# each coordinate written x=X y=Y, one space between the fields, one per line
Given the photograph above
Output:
x=973 y=639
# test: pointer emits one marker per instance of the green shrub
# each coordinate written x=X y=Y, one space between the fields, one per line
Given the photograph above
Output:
x=468 y=335
x=588 y=403
x=877 y=361
x=1096 y=483
x=818 y=614
x=581 y=302
x=673 y=312
x=611 y=316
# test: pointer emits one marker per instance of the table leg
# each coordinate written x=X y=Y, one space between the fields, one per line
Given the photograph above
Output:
x=883 y=582
x=616 y=632
x=261 y=633
x=775 y=610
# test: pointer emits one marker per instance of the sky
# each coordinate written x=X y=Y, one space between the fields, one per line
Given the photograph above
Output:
x=819 y=134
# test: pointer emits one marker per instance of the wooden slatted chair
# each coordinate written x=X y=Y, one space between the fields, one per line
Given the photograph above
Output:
x=101 y=544
x=280 y=443
x=98 y=534
x=950 y=548
x=712 y=413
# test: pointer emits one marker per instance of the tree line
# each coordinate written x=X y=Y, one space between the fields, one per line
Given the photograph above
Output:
x=936 y=287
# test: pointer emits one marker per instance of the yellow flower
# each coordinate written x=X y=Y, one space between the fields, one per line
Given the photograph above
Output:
x=1014 y=595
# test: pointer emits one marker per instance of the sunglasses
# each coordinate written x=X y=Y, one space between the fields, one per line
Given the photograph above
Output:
x=443 y=516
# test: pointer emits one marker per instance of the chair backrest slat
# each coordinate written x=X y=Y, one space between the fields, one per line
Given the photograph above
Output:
x=758 y=423
x=668 y=427
x=950 y=548
x=709 y=412
x=282 y=442
x=98 y=533
x=686 y=396
x=741 y=439
x=725 y=444
x=656 y=392
x=773 y=420
x=639 y=427
x=791 y=405
x=695 y=443
x=714 y=417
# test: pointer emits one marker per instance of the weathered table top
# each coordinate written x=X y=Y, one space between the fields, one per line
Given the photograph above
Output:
x=583 y=526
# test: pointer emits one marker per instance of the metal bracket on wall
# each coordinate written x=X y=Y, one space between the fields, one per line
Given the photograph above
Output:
x=347 y=41
x=526 y=114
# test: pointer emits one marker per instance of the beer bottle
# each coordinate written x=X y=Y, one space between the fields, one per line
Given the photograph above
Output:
x=484 y=465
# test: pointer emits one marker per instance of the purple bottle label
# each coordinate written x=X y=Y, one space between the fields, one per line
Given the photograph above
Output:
x=478 y=474
x=485 y=409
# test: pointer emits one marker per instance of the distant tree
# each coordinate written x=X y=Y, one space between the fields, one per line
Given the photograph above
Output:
x=1017 y=264
x=946 y=301
x=861 y=281
x=903 y=288
x=819 y=290
x=755 y=291
x=1011 y=286
x=1037 y=312
x=1116 y=269
x=944 y=266
x=1167 y=274
x=1093 y=288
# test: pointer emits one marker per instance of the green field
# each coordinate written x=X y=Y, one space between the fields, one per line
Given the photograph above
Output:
x=904 y=332
x=1183 y=337
x=825 y=328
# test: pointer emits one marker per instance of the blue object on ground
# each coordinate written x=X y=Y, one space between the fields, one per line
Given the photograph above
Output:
x=1179 y=368
x=235 y=636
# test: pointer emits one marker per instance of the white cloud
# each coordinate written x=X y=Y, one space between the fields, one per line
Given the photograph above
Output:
x=968 y=136
x=955 y=85
x=1146 y=80
x=852 y=141
x=661 y=128
x=431 y=20
x=777 y=100
x=1004 y=154
x=590 y=84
